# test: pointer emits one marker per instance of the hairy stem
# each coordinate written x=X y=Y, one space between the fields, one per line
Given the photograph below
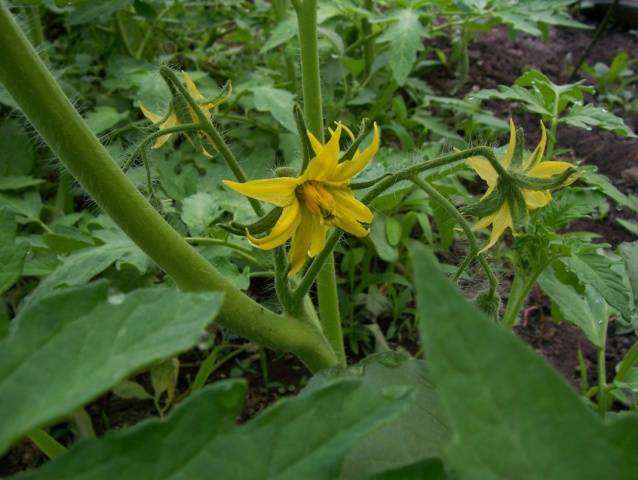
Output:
x=311 y=84
x=43 y=102
x=467 y=229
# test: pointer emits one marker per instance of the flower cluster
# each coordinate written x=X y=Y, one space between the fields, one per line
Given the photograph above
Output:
x=521 y=185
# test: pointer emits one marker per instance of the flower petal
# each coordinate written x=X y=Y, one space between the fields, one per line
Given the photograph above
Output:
x=171 y=121
x=347 y=205
x=506 y=161
x=323 y=165
x=317 y=146
x=501 y=220
x=484 y=222
x=485 y=170
x=536 y=198
x=152 y=116
x=537 y=155
x=317 y=236
x=278 y=191
x=192 y=88
x=350 y=168
x=350 y=225
x=284 y=229
x=300 y=242
x=548 y=169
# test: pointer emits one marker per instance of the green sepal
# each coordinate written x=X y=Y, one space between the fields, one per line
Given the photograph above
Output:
x=302 y=128
x=517 y=158
x=532 y=183
x=518 y=208
x=364 y=129
x=488 y=205
x=264 y=223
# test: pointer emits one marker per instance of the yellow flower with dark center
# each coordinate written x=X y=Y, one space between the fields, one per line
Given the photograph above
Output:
x=533 y=168
x=172 y=120
x=315 y=201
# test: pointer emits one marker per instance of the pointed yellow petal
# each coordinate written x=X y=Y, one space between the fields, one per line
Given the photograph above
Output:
x=350 y=168
x=192 y=88
x=153 y=117
x=284 y=228
x=536 y=198
x=317 y=146
x=171 y=121
x=484 y=169
x=323 y=165
x=350 y=225
x=347 y=205
x=484 y=222
x=502 y=221
x=548 y=169
x=506 y=161
x=317 y=236
x=278 y=191
x=219 y=100
x=537 y=155
x=300 y=242
x=347 y=130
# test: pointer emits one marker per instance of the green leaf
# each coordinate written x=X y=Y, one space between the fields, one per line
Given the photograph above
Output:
x=508 y=408
x=75 y=345
x=597 y=270
x=587 y=116
x=12 y=254
x=278 y=103
x=624 y=436
x=589 y=312
x=198 y=212
x=17 y=156
x=379 y=239
x=88 y=11
x=404 y=37
x=103 y=118
x=570 y=205
x=631 y=227
x=284 y=31
x=18 y=182
x=81 y=266
x=604 y=185
x=417 y=433
x=305 y=437
x=428 y=469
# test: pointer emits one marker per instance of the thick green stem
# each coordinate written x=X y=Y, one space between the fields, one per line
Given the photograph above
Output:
x=467 y=229
x=551 y=142
x=43 y=102
x=311 y=83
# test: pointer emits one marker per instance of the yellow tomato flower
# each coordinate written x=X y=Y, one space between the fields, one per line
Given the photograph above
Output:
x=172 y=119
x=315 y=201
x=533 y=168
